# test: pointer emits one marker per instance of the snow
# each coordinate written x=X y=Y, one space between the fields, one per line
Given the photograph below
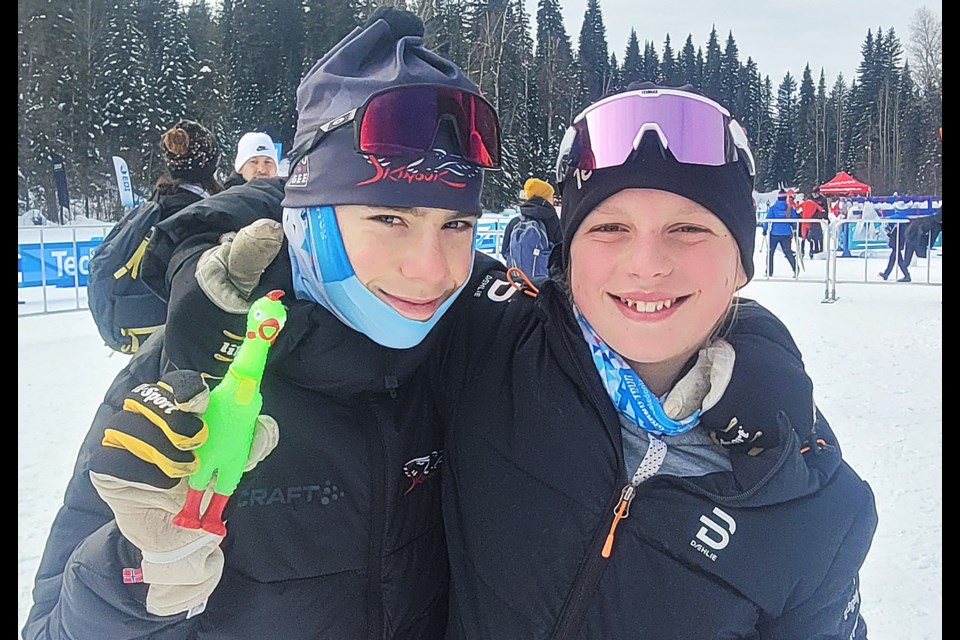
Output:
x=874 y=355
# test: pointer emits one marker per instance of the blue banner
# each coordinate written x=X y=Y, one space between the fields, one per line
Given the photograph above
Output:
x=61 y=266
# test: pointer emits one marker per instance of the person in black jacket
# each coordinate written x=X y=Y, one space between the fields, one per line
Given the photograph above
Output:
x=583 y=497
x=190 y=158
x=337 y=533
x=538 y=205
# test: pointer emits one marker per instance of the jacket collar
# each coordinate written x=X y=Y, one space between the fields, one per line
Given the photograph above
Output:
x=796 y=468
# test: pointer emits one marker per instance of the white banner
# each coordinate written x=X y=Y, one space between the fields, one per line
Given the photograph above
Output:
x=124 y=186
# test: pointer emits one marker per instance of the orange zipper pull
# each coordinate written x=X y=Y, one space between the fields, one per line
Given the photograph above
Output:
x=621 y=512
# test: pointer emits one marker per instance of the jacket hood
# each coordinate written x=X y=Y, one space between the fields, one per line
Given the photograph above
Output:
x=538 y=208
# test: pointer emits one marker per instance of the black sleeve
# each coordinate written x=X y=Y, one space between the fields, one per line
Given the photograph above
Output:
x=832 y=612
x=475 y=324
x=505 y=245
x=207 y=220
x=93 y=601
x=554 y=233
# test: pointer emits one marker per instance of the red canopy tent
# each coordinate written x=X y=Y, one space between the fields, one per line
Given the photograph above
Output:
x=843 y=184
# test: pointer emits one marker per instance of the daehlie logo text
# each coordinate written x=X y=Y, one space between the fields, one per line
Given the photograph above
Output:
x=714 y=536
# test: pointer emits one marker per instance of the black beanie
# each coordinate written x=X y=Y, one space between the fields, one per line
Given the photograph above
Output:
x=726 y=190
x=189 y=151
x=387 y=52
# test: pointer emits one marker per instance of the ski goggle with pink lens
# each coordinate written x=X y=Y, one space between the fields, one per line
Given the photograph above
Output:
x=694 y=129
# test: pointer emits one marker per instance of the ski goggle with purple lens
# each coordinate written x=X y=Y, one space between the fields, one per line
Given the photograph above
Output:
x=404 y=121
x=694 y=129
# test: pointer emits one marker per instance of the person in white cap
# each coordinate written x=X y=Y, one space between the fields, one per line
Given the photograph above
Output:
x=256 y=158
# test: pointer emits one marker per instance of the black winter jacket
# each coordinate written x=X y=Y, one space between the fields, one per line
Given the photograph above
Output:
x=534 y=470
x=337 y=535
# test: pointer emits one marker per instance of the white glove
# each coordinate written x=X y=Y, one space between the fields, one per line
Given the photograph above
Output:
x=702 y=386
x=229 y=272
x=182 y=566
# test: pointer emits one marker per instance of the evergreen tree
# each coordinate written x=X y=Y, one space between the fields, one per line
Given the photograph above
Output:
x=668 y=65
x=444 y=31
x=593 y=55
x=500 y=50
x=712 y=67
x=687 y=64
x=169 y=67
x=207 y=91
x=614 y=82
x=553 y=98
x=912 y=127
x=87 y=168
x=783 y=164
x=101 y=77
x=651 y=63
x=326 y=22
x=119 y=90
x=835 y=127
x=823 y=171
x=875 y=108
x=47 y=53
x=264 y=49
x=745 y=75
x=632 y=68
x=930 y=117
x=807 y=170
x=748 y=104
x=765 y=137
x=729 y=72
x=701 y=65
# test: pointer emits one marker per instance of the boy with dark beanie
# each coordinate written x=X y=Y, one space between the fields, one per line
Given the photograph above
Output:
x=337 y=533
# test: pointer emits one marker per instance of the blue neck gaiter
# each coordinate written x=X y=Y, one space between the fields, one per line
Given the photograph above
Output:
x=322 y=273
x=631 y=397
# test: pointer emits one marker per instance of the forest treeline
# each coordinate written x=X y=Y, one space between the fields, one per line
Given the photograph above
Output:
x=99 y=78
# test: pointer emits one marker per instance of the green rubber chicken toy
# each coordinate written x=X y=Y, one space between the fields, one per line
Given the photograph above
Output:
x=231 y=419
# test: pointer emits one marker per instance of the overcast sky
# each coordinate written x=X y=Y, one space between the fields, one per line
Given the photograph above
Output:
x=780 y=36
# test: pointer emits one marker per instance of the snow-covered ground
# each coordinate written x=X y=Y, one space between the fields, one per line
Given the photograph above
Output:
x=874 y=354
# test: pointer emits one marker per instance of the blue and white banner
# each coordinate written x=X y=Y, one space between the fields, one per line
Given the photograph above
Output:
x=59 y=264
x=124 y=186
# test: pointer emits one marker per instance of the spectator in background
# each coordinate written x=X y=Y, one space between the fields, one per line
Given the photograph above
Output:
x=780 y=233
x=256 y=158
x=530 y=237
x=920 y=234
x=125 y=309
x=897 y=241
x=823 y=214
x=810 y=209
x=190 y=157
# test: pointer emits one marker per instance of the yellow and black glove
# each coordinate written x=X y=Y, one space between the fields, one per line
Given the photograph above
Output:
x=141 y=473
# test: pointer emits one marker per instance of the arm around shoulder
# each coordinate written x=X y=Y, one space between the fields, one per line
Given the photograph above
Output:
x=832 y=612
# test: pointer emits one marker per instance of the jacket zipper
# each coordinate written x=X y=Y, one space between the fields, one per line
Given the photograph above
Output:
x=374 y=561
x=572 y=612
